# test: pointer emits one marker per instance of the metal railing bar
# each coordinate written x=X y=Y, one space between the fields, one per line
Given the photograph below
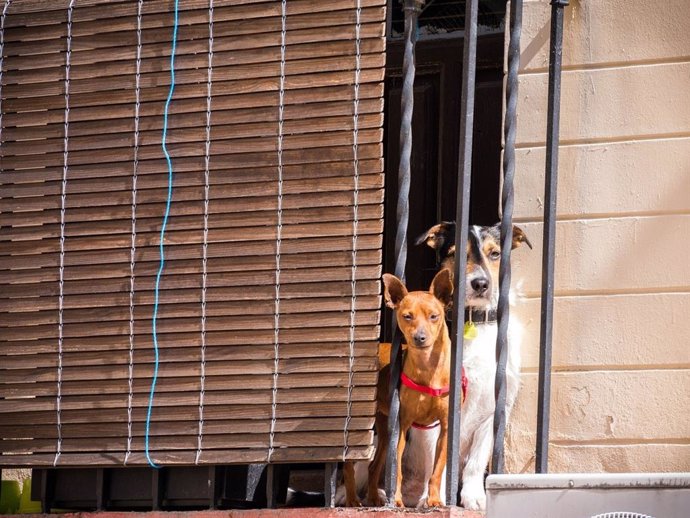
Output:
x=412 y=9
x=549 y=240
x=461 y=231
x=330 y=470
x=507 y=203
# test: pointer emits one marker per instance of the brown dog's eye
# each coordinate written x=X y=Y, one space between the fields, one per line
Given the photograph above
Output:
x=407 y=317
x=433 y=317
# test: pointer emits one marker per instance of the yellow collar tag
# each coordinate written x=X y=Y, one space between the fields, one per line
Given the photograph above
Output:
x=470 y=331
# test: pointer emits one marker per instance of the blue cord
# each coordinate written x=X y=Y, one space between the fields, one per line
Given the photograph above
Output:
x=165 y=222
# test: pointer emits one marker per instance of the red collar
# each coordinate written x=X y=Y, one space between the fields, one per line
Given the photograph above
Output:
x=433 y=391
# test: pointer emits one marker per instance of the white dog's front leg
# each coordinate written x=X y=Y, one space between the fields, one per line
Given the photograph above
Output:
x=472 y=495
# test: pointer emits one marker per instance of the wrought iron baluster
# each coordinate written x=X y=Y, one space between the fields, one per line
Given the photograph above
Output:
x=549 y=242
x=412 y=10
x=503 y=310
x=462 y=217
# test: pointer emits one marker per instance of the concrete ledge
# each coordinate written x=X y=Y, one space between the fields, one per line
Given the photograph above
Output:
x=337 y=512
x=579 y=495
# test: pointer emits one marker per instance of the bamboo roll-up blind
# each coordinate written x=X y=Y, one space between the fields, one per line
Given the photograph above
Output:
x=268 y=303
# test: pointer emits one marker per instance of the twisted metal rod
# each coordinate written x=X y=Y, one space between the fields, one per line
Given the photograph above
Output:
x=507 y=203
x=412 y=10
x=462 y=216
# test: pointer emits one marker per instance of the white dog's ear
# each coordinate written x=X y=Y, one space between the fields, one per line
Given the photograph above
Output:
x=520 y=237
x=393 y=290
x=438 y=236
x=442 y=287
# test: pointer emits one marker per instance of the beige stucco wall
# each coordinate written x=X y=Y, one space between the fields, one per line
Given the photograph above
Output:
x=621 y=353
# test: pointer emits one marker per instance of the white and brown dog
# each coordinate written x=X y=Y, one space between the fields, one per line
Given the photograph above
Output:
x=479 y=350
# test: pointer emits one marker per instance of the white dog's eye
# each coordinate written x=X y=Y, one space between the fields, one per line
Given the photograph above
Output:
x=495 y=255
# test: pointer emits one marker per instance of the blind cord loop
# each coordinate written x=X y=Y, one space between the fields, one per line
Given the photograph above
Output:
x=168 y=160
x=279 y=233
x=63 y=203
x=204 y=260
x=355 y=226
x=133 y=247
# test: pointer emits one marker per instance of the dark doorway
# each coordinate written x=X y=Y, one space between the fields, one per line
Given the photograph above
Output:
x=435 y=141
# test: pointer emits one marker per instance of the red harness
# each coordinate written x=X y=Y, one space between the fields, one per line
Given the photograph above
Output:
x=408 y=382
x=432 y=392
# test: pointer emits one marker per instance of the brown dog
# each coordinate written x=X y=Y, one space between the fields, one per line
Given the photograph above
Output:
x=424 y=381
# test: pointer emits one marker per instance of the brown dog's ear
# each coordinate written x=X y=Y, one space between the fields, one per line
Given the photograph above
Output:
x=519 y=237
x=393 y=290
x=437 y=235
x=442 y=287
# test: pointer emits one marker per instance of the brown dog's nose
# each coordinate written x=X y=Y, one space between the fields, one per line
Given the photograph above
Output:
x=420 y=337
x=480 y=285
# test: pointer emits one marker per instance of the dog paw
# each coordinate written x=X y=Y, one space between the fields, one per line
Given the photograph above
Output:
x=399 y=502
x=354 y=502
x=473 y=497
x=377 y=500
x=434 y=502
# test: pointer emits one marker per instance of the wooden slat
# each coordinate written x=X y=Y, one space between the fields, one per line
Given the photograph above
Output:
x=141 y=387
x=191 y=413
x=144 y=359
x=225 y=231
x=187 y=325
x=173 y=340
x=47 y=229
x=173 y=428
x=115 y=312
x=188 y=458
x=327 y=192
x=190 y=135
x=35 y=157
x=217 y=265
x=167 y=399
x=308 y=164
x=298 y=292
x=120 y=119
x=211 y=442
x=188 y=354
x=173 y=237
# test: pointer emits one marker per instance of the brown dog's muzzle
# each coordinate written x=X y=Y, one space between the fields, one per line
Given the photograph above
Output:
x=421 y=338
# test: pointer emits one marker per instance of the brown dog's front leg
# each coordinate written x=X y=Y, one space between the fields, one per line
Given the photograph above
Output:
x=351 y=498
x=402 y=441
x=434 y=498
